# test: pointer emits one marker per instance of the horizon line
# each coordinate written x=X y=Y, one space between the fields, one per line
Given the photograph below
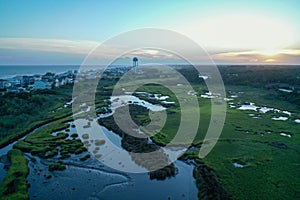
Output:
x=225 y=64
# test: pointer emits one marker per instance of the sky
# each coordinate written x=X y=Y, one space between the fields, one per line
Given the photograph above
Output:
x=231 y=31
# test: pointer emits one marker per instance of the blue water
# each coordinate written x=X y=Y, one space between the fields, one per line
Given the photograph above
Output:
x=7 y=71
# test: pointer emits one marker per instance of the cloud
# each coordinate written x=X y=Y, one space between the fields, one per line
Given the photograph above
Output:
x=151 y=55
x=16 y=50
x=283 y=56
x=27 y=50
x=49 y=45
x=74 y=47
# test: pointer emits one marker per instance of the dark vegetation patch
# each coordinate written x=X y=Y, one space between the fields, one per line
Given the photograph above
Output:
x=208 y=184
x=56 y=166
x=85 y=157
x=279 y=145
x=162 y=174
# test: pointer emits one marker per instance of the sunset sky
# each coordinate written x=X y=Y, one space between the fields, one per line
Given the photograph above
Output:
x=232 y=32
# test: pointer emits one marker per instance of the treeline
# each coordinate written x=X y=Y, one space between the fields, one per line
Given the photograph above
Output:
x=252 y=75
x=19 y=110
x=266 y=77
x=261 y=76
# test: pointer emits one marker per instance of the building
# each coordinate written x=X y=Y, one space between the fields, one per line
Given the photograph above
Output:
x=48 y=77
x=4 y=84
x=27 y=80
x=16 y=81
x=41 y=85
x=37 y=77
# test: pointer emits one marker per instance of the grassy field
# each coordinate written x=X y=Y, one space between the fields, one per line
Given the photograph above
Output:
x=15 y=185
x=267 y=161
x=269 y=171
x=44 y=144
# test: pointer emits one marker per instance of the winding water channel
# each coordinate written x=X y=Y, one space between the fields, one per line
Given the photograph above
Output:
x=92 y=179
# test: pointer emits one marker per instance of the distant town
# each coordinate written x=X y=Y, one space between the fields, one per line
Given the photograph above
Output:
x=49 y=80
x=37 y=81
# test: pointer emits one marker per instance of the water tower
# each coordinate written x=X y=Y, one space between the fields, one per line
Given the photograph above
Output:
x=135 y=63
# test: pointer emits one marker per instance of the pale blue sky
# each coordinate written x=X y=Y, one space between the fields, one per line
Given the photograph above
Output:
x=95 y=21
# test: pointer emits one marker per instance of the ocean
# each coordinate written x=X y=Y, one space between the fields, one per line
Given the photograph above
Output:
x=7 y=71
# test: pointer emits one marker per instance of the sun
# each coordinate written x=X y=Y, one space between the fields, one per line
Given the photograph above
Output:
x=270 y=60
x=269 y=55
